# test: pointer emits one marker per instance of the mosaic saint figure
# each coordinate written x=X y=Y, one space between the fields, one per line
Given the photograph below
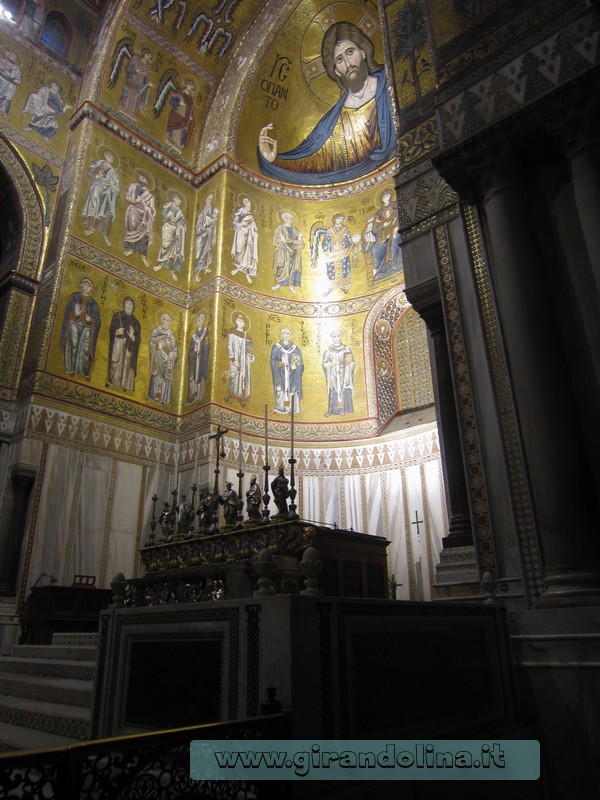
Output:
x=338 y=366
x=287 y=257
x=10 y=78
x=123 y=349
x=163 y=357
x=245 y=241
x=339 y=249
x=198 y=354
x=287 y=368
x=45 y=106
x=79 y=332
x=357 y=135
x=139 y=217
x=101 y=199
x=206 y=236
x=172 y=251
x=241 y=357
x=383 y=239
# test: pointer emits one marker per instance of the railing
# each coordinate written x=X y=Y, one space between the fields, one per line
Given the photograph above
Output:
x=148 y=766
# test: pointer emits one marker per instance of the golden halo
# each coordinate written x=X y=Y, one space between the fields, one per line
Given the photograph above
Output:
x=204 y=313
x=241 y=197
x=235 y=314
x=18 y=60
x=379 y=198
x=160 y=313
x=283 y=211
x=342 y=331
x=100 y=151
x=287 y=328
x=172 y=193
x=150 y=179
x=313 y=69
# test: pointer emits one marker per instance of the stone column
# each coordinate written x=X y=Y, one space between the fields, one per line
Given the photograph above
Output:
x=552 y=437
x=23 y=477
x=579 y=139
x=459 y=520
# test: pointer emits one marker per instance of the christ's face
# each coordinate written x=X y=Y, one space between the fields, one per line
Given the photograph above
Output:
x=350 y=65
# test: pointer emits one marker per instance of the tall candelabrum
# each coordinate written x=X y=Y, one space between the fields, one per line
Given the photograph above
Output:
x=240 y=477
x=266 y=496
x=218 y=436
x=292 y=461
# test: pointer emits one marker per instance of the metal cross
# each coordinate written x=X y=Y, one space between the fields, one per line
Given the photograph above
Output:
x=417 y=522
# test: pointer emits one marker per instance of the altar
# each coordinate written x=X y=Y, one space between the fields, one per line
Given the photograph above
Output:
x=198 y=566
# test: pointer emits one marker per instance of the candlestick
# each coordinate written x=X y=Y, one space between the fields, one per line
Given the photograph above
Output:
x=292 y=443
x=266 y=435
x=196 y=476
x=240 y=446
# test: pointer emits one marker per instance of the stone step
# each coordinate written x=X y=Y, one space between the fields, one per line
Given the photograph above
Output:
x=55 y=690
x=15 y=737
x=75 y=639
x=51 y=667
x=55 y=718
x=66 y=653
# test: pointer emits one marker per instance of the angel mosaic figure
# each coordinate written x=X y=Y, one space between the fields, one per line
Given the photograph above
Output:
x=136 y=85
x=180 y=120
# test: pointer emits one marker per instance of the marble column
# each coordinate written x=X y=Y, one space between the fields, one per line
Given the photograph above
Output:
x=459 y=520
x=23 y=477
x=552 y=437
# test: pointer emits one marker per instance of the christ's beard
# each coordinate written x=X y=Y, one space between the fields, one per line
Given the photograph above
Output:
x=356 y=78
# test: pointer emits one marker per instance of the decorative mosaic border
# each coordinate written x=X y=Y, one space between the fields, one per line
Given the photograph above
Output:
x=526 y=532
x=475 y=474
x=528 y=77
